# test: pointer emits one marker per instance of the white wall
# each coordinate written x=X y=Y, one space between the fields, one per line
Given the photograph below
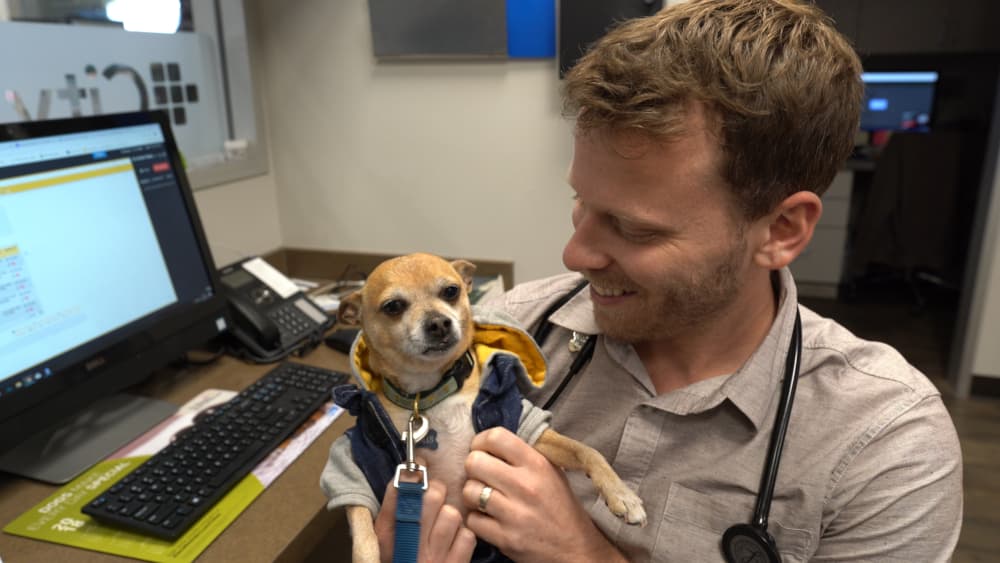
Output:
x=465 y=159
x=462 y=158
x=984 y=317
x=240 y=218
x=986 y=359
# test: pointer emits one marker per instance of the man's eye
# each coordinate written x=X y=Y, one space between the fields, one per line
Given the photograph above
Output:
x=634 y=234
x=638 y=236
x=450 y=293
x=393 y=307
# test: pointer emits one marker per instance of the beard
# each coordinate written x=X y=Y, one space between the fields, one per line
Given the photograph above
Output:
x=679 y=302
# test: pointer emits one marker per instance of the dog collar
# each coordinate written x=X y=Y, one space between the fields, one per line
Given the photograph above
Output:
x=451 y=381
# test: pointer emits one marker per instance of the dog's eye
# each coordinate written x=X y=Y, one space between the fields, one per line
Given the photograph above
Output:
x=450 y=293
x=394 y=307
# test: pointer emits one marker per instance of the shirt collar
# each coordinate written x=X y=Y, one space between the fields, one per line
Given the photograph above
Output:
x=753 y=388
x=577 y=314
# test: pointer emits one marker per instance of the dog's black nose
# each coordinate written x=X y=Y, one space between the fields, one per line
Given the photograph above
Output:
x=437 y=326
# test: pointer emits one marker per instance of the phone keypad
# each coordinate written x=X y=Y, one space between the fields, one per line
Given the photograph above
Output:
x=292 y=323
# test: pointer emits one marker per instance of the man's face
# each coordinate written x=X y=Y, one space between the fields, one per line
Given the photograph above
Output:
x=654 y=232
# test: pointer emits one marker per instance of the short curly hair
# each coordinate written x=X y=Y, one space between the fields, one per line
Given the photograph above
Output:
x=781 y=85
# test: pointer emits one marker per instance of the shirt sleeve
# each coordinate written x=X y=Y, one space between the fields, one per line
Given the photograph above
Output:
x=343 y=481
x=900 y=497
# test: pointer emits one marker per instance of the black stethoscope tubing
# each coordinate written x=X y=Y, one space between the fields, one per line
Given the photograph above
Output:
x=740 y=539
x=788 y=387
x=582 y=357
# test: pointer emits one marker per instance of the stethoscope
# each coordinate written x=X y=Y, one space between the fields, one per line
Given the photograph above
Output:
x=741 y=543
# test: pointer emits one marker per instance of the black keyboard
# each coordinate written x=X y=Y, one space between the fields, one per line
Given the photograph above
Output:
x=170 y=491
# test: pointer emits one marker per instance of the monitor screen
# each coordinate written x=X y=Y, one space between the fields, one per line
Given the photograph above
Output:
x=105 y=274
x=898 y=101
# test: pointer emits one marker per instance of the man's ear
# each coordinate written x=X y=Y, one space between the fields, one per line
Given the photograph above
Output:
x=788 y=230
x=349 y=313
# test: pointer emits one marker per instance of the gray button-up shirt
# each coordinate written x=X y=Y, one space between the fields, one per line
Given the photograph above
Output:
x=871 y=469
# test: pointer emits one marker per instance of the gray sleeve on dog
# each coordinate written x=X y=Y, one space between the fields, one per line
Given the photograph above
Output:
x=533 y=422
x=343 y=482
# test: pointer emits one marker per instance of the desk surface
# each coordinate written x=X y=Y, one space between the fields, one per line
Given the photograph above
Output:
x=286 y=523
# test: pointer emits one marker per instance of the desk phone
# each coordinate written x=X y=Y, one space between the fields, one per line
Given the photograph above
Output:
x=269 y=316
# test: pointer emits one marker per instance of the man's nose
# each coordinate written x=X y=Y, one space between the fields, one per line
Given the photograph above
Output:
x=584 y=250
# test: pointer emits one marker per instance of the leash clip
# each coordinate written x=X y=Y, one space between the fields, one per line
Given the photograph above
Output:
x=421 y=432
x=409 y=503
x=411 y=437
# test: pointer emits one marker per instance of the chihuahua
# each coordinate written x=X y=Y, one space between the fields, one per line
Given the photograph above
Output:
x=416 y=330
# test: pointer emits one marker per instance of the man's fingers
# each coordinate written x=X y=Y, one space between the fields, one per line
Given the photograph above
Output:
x=477 y=499
x=462 y=546
x=385 y=523
x=486 y=527
x=433 y=501
x=442 y=535
x=389 y=499
x=502 y=443
x=502 y=460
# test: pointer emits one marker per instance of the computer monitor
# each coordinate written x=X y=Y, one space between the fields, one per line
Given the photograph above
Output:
x=898 y=101
x=105 y=277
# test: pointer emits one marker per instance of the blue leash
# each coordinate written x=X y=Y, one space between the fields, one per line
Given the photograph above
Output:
x=409 y=503
x=411 y=500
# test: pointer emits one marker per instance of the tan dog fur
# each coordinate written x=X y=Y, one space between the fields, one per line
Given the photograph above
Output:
x=401 y=350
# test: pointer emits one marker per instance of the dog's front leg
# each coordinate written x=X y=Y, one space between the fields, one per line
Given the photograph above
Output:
x=573 y=455
x=364 y=541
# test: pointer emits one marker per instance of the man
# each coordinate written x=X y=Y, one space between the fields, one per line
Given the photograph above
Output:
x=705 y=136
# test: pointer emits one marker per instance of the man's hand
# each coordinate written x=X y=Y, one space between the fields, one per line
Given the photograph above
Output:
x=532 y=514
x=443 y=538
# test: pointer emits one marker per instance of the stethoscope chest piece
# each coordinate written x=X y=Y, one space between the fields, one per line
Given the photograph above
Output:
x=745 y=543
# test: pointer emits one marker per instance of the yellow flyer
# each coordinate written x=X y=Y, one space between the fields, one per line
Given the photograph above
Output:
x=59 y=519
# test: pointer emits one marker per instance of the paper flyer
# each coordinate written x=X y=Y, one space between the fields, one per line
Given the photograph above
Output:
x=58 y=518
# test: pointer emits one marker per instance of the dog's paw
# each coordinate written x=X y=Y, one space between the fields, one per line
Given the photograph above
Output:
x=627 y=505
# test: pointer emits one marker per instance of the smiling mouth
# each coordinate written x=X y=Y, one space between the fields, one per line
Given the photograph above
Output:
x=610 y=292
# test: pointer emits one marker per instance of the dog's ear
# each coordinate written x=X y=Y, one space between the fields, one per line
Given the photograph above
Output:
x=349 y=312
x=465 y=269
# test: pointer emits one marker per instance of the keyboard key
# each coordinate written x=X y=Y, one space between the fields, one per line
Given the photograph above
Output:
x=144 y=511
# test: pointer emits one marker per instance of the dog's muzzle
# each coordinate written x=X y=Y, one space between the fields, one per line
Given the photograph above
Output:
x=439 y=333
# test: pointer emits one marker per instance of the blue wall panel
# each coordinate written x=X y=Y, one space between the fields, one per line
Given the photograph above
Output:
x=531 y=29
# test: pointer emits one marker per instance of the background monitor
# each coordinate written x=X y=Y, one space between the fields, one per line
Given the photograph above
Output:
x=898 y=101
x=105 y=276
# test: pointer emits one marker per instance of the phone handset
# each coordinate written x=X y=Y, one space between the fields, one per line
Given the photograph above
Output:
x=253 y=323
x=269 y=316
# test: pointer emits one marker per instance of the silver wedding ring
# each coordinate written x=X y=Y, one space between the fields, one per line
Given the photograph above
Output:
x=484 y=497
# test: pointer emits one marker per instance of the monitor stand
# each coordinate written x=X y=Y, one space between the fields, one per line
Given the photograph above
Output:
x=72 y=445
